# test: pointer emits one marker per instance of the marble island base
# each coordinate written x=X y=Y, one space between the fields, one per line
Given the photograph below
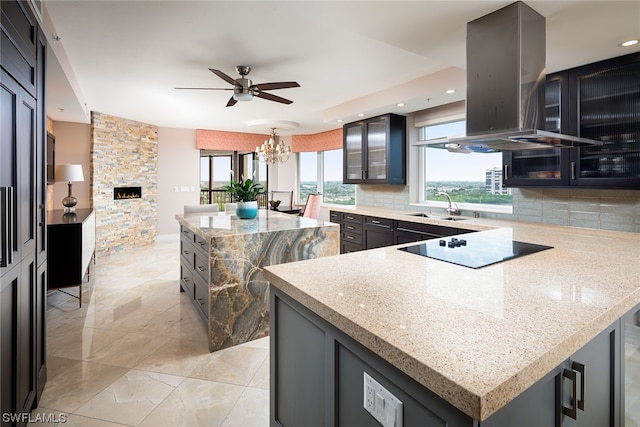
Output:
x=222 y=261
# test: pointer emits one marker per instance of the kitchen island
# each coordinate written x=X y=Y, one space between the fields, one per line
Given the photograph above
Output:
x=221 y=266
x=467 y=344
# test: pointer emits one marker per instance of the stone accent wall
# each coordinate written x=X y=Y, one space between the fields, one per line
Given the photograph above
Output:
x=124 y=153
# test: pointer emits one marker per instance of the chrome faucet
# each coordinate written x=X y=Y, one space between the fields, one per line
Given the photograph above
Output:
x=450 y=210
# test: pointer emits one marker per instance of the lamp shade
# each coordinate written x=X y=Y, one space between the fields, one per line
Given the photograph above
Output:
x=69 y=173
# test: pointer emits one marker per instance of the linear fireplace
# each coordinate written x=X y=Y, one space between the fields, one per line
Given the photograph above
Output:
x=126 y=193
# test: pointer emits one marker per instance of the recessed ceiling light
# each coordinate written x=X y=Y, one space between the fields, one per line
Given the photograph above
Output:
x=339 y=120
x=361 y=115
x=450 y=91
x=400 y=104
x=628 y=43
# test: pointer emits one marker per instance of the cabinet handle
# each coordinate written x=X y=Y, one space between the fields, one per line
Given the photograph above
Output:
x=6 y=222
x=573 y=170
x=506 y=173
x=201 y=269
x=375 y=221
x=349 y=237
x=350 y=227
x=579 y=367
x=570 y=412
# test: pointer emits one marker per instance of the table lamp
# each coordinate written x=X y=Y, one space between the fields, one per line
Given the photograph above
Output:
x=69 y=173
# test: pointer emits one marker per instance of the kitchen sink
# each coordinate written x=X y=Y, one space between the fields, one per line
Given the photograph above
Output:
x=442 y=218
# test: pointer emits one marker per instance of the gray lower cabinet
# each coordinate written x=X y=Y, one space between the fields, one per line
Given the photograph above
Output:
x=317 y=380
x=194 y=271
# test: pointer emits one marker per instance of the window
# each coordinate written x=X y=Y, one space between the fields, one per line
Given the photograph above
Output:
x=321 y=172
x=468 y=178
x=215 y=174
x=333 y=190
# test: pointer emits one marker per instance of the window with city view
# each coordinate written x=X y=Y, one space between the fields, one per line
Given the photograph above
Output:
x=467 y=178
x=322 y=172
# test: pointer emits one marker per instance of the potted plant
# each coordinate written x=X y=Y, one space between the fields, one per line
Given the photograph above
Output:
x=245 y=193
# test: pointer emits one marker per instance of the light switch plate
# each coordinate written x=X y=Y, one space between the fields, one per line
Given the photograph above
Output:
x=381 y=404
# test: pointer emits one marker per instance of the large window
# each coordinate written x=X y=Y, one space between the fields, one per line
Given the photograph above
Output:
x=474 y=178
x=321 y=172
x=215 y=174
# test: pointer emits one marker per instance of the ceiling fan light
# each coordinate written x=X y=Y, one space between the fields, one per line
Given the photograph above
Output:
x=243 y=96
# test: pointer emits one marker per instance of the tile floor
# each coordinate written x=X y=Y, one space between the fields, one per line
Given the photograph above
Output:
x=136 y=354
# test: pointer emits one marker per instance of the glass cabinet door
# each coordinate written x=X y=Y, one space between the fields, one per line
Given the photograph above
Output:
x=609 y=111
x=376 y=150
x=542 y=167
x=353 y=153
x=631 y=355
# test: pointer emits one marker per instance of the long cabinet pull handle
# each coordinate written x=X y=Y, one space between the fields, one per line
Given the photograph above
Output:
x=506 y=172
x=573 y=411
x=579 y=367
x=573 y=171
x=6 y=222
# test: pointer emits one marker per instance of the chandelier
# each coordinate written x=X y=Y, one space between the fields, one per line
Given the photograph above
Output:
x=271 y=151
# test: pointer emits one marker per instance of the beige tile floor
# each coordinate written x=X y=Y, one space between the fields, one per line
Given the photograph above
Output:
x=135 y=354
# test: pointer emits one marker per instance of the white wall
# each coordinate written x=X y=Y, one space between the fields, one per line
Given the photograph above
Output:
x=282 y=176
x=178 y=168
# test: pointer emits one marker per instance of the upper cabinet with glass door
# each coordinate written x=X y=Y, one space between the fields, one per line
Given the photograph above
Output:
x=374 y=151
x=599 y=101
x=607 y=109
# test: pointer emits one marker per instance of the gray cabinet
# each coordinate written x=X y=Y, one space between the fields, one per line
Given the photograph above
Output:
x=630 y=367
x=317 y=380
x=194 y=270
x=351 y=231
x=378 y=232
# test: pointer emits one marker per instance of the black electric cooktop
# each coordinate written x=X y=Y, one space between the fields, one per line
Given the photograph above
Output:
x=475 y=250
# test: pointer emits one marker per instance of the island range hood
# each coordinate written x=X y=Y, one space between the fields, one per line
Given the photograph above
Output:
x=506 y=86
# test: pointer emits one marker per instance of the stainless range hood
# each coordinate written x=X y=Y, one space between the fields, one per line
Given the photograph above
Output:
x=506 y=86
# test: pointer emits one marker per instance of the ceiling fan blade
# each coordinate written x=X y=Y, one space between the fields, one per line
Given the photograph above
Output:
x=271 y=97
x=223 y=76
x=231 y=102
x=205 y=88
x=276 y=85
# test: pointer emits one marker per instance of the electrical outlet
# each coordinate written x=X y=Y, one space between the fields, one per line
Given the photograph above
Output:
x=381 y=404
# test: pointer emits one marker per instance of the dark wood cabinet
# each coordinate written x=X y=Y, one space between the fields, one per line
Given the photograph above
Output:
x=351 y=231
x=599 y=101
x=23 y=253
x=378 y=232
x=71 y=247
x=375 y=151
x=407 y=232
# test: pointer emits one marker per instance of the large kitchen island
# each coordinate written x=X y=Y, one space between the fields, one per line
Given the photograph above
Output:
x=547 y=339
x=221 y=266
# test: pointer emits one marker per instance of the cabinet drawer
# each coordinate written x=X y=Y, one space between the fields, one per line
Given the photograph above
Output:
x=352 y=228
x=201 y=265
x=186 y=251
x=201 y=244
x=353 y=238
x=201 y=295
x=347 y=247
x=186 y=278
x=380 y=222
x=335 y=216
x=186 y=233
x=349 y=217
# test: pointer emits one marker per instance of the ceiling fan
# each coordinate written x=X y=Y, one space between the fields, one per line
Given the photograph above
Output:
x=244 y=90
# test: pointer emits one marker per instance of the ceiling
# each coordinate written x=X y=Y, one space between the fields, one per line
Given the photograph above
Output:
x=125 y=58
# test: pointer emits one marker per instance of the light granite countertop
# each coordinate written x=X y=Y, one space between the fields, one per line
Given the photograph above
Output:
x=477 y=338
x=221 y=224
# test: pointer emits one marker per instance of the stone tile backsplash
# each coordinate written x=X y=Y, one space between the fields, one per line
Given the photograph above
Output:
x=617 y=210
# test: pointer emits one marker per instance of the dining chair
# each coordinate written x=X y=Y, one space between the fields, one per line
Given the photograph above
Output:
x=312 y=207
x=285 y=196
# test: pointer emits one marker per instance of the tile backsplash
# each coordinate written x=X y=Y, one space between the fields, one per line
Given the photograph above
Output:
x=605 y=209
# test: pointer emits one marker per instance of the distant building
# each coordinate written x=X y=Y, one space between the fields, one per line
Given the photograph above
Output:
x=493 y=182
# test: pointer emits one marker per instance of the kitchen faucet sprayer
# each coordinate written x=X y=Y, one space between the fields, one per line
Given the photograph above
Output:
x=450 y=210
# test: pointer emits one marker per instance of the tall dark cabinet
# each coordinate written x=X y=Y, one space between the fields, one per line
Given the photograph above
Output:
x=22 y=217
x=599 y=101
